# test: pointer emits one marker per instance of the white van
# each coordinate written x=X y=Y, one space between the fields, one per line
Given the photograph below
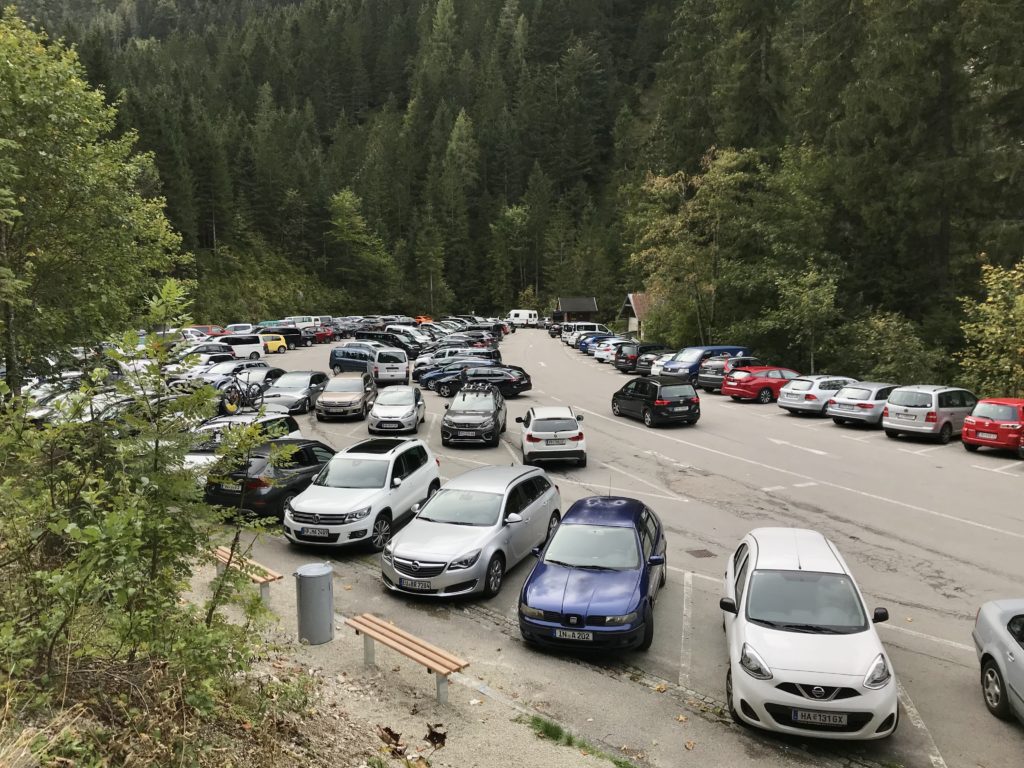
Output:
x=244 y=345
x=582 y=329
x=389 y=366
x=523 y=317
x=301 y=321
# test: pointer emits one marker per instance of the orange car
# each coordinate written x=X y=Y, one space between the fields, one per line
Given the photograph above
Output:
x=423 y=319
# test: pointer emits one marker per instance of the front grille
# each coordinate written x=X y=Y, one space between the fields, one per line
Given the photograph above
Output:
x=311 y=519
x=783 y=715
x=420 y=570
x=828 y=692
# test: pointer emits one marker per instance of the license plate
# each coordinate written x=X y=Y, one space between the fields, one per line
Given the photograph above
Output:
x=388 y=426
x=819 y=718
x=465 y=434
x=681 y=408
x=791 y=395
x=987 y=435
x=846 y=406
x=236 y=487
x=574 y=634
x=414 y=584
x=556 y=442
x=321 y=533
x=907 y=416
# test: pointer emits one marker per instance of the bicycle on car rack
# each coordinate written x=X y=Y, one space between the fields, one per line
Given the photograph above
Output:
x=237 y=395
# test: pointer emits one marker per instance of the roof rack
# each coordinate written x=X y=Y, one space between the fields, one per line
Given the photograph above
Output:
x=477 y=386
x=378 y=445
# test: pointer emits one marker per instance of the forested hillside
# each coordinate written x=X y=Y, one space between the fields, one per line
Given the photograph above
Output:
x=803 y=175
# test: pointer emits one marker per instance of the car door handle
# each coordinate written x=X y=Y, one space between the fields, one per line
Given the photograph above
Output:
x=1010 y=656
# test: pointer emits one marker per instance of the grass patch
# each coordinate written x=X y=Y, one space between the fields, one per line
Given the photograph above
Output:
x=552 y=731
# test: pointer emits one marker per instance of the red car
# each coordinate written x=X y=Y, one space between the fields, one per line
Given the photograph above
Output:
x=757 y=382
x=210 y=330
x=322 y=334
x=995 y=422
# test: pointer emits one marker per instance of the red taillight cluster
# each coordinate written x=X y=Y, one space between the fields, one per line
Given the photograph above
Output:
x=931 y=417
x=577 y=437
x=661 y=402
x=810 y=397
x=885 y=412
x=255 y=483
x=866 y=406
x=533 y=439
x=376 y=370
x=631 y=357
x=832 y=401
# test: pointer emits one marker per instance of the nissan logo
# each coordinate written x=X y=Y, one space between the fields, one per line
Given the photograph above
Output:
x=818 y=692
x=316 y=518
x=414 y=565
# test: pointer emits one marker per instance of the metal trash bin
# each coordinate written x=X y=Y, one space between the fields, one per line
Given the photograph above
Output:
x=314 y=593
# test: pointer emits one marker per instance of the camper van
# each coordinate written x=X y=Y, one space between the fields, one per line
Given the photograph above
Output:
x=523 y=317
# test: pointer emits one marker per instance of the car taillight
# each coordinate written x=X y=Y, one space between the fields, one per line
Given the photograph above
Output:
x=810 y=397
x=437 y=461
x=376 y=370
x=885 y=412
x=1010 y=426
x=577 y=437
x=866 y=406
x=831 y=401
x=695 y=399
x=661 y=402
x=255 y=483
x=631 y=357
x=532 y=439
x=931 y=417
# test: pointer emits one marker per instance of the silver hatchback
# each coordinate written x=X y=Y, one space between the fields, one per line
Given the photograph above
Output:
x=927 y=409
x=860 y=403
x=810 y=394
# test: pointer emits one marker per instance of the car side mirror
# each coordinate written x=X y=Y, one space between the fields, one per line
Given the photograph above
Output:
x=656 y=560
x=579 y=417
x=880 y=615
x=728 y=605
x=415 y=508
x=536 y=551
x=513 y=517
x=396 y=482
x=519 y=419
x=446 y=407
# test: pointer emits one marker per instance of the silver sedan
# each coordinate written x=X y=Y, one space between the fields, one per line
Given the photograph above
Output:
x=397 y=409
x=860 y=403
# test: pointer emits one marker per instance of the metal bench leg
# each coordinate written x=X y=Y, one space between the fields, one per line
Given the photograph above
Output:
x=265 y=592
x=442 y=688
x=368 y=659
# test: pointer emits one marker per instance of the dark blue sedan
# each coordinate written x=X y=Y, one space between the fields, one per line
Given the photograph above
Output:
x=596 y=581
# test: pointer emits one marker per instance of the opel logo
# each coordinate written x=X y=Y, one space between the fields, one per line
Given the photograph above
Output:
x=316 y=518
x=414 y=565
x=818 y=692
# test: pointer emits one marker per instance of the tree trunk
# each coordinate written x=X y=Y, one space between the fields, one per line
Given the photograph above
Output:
x=10 y=347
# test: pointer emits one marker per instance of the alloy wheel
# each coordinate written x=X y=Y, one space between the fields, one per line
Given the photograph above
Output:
x=992 y=686
x=764 y=396
x=381 y=533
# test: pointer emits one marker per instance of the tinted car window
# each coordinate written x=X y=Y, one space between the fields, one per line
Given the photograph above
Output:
x=995 y=412
x=911 y=399
x=555 y=425
x=855 y=393
x=463 y=507
x=678 y=390
x=391 y=357
x=353 y=473
x=805 y=599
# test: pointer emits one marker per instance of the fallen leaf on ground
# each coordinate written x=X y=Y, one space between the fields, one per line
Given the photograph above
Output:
x=246 y=726
x=347 y=587
x=661 y=687
x=690 y=745
x=474 y=702
x=436 y=735
x=682 y=718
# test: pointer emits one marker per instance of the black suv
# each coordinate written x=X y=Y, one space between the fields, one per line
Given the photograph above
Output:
x=388 y=339
x=475 y=415
x=509 y=379
x=627 y=354
x=713 y=371
x=658 y=400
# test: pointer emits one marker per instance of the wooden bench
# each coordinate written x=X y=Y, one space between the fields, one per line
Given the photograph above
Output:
x=258 y=574
x=439 y=662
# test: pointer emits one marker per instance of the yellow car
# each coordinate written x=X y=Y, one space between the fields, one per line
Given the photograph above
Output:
x=273 y=342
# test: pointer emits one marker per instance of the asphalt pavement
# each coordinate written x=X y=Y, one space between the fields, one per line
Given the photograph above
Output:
x=930 y=532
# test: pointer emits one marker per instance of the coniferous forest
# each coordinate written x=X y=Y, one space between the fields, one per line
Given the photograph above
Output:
x=812 y=177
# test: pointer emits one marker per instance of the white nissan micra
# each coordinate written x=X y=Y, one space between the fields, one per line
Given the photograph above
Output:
x=804 y=656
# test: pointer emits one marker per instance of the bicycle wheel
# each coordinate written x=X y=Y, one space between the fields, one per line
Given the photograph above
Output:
x=231 y=400
x=254 y=396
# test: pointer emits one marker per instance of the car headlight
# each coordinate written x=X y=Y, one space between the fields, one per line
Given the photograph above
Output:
x=486 y=424
x=389 y=551
x=878 y=675
x=409 y=414
x=753 y=664
x=618 y=621
x=531 y=613
x=467 y=560
x=359 y=514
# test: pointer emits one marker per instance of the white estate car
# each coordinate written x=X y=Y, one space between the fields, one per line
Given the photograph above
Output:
x=804 y=656
x=810 y=394
x=362 y=492
x=552 y=432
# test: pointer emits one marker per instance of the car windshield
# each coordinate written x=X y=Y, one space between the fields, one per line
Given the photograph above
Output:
x=996 y=412
x=799 y=385
x=911 y=399
x=555 y=425
x=594 y=546
x=457 y=507
x=805 y=601
x=678 y=390
x=689 y=355
x=347 y=472
x=344 y=385
x=223 y=367
x=292 y=381
x=741 y=374
x=395 y=397
x=854 y=393
x=472 y=401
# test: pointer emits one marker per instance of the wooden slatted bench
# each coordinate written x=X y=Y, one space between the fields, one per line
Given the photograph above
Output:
x=439 y=662
x=258 y=574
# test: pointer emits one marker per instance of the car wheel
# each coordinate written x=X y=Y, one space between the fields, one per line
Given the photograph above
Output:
x=648 y=629
x=527 y=460
x=434 y=488
x=319 y=417
x=994 y=690
x=444 y=390
x=969 y=447
x=764 y=396
x=664 y=577
x=581 y=462
x=380 y=535
x=839 y=421
x=737 y=398
x=495 y=576
x=254 y=355
x=504 y=424
x=648 y=417
x=892 y=433
x=284 y=505
x=336 y=369
x=1020 y=452
x=282 y=349
x=553 y=522
x=308 y=342
x=362 y=413
x=728 y=698
x=615 y=408
x=709 y=390
x=946 y=433
x=305 y=406
x=291 y=345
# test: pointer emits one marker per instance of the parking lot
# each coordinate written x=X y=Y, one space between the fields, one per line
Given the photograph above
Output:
x=930 y=532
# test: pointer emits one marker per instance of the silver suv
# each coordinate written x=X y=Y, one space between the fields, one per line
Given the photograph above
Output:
x=927 y=409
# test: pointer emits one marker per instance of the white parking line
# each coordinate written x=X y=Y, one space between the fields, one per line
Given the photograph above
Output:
x=684 y=652
x=641 y=480
x=696 y=574
x=857 y=439
x=932 y=638
x=815 y=451
x=507 y=447
x=921 y=451
x=609 y=488
x=915 y=717
x=791 y=473
x=771 y=488
x=804 y=485
x=1000 y=471
x=542 y=364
